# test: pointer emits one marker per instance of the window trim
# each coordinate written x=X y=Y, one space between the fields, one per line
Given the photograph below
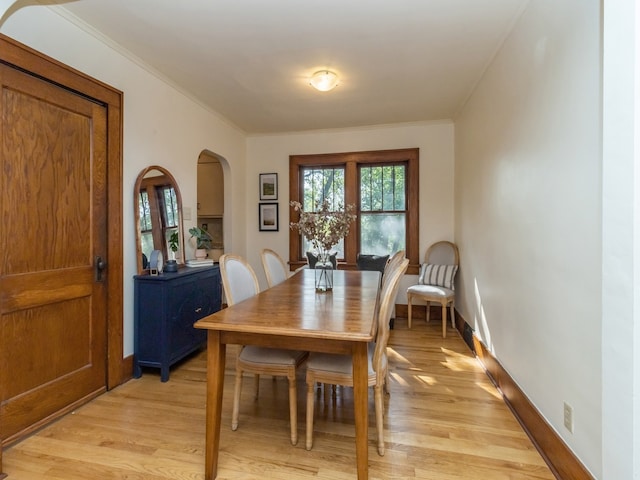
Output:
x=350 y=161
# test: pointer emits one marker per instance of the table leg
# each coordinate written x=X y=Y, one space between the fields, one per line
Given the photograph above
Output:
x=2 y=475
x=216 y=352
x=361 y=405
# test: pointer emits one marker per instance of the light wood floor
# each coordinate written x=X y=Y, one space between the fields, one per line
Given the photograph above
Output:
x=445 y=420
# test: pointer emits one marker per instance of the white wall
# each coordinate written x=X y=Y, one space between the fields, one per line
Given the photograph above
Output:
x=162 y=126
x=270 y=153
x=528 y=214
x=621 y=248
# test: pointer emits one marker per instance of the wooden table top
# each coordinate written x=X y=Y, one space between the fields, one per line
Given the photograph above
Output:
x=293 y=308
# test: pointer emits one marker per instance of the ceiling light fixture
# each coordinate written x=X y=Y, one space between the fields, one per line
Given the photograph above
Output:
x=324 y=80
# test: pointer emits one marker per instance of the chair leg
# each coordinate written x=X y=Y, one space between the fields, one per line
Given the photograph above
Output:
x=444 y=320
x=409 y=298
x=379 y=418
x=236 y=400
x=256 y=383
x=310 y=401
x=428 y=312
x=392 y=320
x=293 y=409
x=386 y=381
x=453 y=317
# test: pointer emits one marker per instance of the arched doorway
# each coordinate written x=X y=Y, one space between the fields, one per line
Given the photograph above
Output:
x=210 y=201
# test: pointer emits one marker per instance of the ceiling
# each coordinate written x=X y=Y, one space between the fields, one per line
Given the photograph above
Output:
x=250 y=60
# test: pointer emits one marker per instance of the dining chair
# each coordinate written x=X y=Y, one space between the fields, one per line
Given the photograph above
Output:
x=240 y=282
x=337 y=369
x=436 y=281
x=312 y=259
x=274 y=266
x=392 y=263
x=394 y=260
x=366 y=261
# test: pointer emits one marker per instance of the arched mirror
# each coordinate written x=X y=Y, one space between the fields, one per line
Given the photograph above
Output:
x=158 y=216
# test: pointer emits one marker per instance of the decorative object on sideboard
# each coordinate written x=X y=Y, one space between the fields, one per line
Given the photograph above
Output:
x=172 y=264
x=155 y=262
x=203 y=241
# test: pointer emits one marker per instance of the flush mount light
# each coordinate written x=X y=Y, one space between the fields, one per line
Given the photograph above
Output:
x=324 y=80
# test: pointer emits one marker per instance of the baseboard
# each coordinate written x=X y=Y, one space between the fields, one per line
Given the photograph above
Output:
x=127 y=369
x=561 y=460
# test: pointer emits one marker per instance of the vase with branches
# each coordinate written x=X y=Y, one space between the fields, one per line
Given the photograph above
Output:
x=324 y=228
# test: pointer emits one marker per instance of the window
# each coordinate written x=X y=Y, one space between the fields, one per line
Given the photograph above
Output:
x=383 y=208
x=382 y=184
x=320 y=183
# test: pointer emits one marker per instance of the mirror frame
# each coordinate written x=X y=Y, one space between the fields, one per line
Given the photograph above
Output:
x=136 y=215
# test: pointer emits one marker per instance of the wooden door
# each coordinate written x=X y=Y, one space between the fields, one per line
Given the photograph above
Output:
x=53 y=207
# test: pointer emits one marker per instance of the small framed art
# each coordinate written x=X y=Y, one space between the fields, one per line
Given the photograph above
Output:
x=268 y=186
x=268 y=217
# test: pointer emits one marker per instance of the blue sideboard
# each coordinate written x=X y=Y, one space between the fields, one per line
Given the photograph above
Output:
x=165 y=308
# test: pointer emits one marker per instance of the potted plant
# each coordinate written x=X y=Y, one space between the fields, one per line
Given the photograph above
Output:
x=172 y=265
x=203 y=241
x=173 y=244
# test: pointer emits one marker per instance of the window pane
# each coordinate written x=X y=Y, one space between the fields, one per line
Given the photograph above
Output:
x=388 y=188
x=382 y=209
x=145 y=212
x=319 y=184
x=147 y=243
x=365 y=189
x=382 y=189
x=400 y=198
x=171 y=206
x=382 y=233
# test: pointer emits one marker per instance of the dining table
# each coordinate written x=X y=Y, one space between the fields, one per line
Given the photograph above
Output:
x=293 y=315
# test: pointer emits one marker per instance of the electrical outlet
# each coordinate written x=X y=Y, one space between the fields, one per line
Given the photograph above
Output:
x=568 y=417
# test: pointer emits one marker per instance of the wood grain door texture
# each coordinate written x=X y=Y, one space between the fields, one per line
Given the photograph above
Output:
x=53 y=211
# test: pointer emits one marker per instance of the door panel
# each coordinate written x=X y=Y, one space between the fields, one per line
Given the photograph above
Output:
x=52 y=228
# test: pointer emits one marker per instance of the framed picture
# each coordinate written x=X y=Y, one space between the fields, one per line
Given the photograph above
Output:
x=268 y=217
x=268 y=186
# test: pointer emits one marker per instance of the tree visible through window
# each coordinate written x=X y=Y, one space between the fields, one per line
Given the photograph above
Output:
x=383 y=209
x=322 y=183
x=384 y=187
